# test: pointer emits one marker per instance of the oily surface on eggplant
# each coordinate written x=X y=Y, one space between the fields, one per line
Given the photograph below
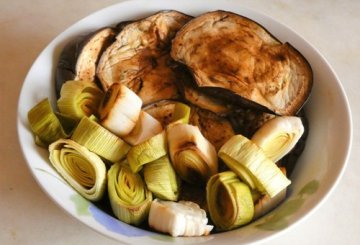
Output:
x=232 y=53
x=140 y=57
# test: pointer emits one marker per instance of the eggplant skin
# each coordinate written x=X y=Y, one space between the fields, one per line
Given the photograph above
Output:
x=140 y=57
x=79 y=57
x=232 y=53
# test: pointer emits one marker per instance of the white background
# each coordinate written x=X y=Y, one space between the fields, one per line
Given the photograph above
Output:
x=27 y=216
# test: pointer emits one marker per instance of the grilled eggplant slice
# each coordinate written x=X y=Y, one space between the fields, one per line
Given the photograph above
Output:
x=215 y=129
x=195 y=96
x=140 y=57
x=235 y=58
x=79 y=57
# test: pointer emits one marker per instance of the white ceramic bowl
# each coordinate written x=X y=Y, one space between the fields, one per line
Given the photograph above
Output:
x=317 y=171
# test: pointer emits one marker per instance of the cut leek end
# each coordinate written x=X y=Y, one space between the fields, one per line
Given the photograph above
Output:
x=240 y=153
x=120 y=109
x=146 y=152
x=182 y=218
x=79 y=98
x=44 y=124
x=161 y=179
x=192 y=155
x=129 y=198
x=81 y=168
x=229 y=201
x=278 y=136
x=145 y=128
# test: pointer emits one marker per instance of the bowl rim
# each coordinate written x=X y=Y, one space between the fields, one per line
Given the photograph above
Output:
x=308 y=213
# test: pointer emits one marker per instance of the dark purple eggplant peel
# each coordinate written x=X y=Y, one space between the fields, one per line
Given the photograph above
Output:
x=79 y=58
x=234 y=58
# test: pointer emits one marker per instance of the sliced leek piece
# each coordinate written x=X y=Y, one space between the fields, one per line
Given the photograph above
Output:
x=145 y=128
x=99 y=140
x=181 y=113
x=82 y=169
x=44 y=124
x=192 y=155
x=146 y=152
x=120 y=109
x=182 y=218
x=278 y=136
x=243 y=156
x=161 y=180
x=79 y=98
x=229 y=201
x=265 y=204
x=129 y=198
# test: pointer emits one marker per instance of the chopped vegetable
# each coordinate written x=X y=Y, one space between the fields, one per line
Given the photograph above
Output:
x=81 y=168
x=145 y=128
x=161 y=180
x=44 y=124
x=79 y=98
x=278 y=136
x=178 y=218
x=120 y=109
x=99 y=140
x=192 y=155
x=229 y=201
x=250 y=163
x=129 y=198
x=148 y=151
x=181 y=113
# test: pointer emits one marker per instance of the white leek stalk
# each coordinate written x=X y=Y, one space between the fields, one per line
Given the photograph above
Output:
x=120 y=109
x=278 y=136
x=182 y=218
x=82 y=169
x=145 y=128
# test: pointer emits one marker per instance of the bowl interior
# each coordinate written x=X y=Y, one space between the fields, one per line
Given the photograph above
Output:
x=317 y=171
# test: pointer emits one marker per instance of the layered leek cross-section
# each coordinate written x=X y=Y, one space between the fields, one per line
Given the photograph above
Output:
x=229 y=201
x=192 y=155
x=129 y=198
x=79 y=98
x=45 y=124
x=81 y=168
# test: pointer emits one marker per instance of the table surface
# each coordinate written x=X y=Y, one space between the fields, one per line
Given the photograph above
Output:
x=28 y=216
